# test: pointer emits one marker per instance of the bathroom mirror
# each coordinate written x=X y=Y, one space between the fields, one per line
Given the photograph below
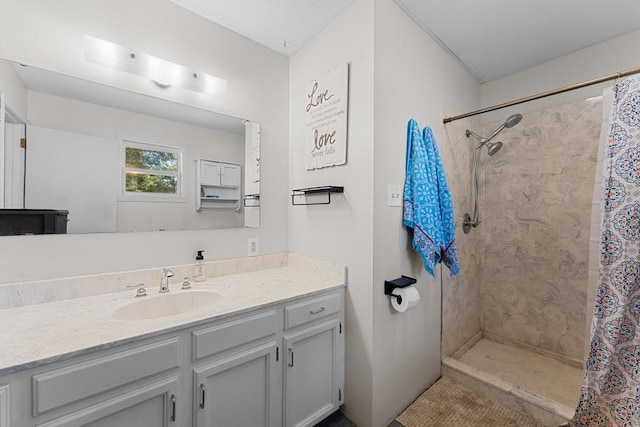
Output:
x=120 y=161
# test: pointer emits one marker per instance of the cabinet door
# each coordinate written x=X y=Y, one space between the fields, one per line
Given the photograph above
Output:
x=153 y=405
x=312 y=377
x=209 y=173
x=4 y=405
x=239 y=391
x=230 y=175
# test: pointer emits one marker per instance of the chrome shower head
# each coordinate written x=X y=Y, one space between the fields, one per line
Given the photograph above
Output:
x=512 y=120
x=493 y=147
x=509 y=123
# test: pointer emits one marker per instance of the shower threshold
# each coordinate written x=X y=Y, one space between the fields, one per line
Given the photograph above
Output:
x=538 y=385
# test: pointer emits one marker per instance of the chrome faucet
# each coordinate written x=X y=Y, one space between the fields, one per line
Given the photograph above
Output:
x=164 y=280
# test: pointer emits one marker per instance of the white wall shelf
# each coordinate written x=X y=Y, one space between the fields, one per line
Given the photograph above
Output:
x=217 y=185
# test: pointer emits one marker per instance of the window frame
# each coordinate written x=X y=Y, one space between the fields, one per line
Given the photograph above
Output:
x=144 y=144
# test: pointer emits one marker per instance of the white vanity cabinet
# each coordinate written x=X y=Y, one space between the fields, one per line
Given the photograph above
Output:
x=314 y=368
x=5 y=391
x=279 y=365
x=286 y=368
x=239 y=391
x=135 y=384
x=153 y=405
x=238 y=381
x=217 y=185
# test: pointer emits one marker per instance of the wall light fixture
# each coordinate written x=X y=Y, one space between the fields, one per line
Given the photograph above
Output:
x=163 y=73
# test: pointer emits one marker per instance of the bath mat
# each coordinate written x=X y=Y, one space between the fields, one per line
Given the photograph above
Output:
x=448 y=403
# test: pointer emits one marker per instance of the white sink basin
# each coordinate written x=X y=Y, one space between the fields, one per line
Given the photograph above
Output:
x=170 y=304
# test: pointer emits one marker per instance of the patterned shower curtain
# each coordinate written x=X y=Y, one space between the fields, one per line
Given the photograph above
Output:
x=610 y=394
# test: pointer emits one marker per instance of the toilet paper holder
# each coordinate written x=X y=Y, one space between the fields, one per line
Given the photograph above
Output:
x=400 y=282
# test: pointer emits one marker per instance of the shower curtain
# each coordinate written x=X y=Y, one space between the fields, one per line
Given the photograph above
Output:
x=610 y=394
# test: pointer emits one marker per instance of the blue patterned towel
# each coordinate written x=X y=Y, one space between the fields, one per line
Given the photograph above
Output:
x=428 y=208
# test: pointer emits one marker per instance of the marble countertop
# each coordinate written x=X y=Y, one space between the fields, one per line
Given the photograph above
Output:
x=42 y=333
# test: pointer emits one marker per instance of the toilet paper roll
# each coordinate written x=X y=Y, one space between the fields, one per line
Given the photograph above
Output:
x=409 y=298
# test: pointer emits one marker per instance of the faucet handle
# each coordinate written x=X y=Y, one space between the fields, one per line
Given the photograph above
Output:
x=187 y=283
x=141 y=292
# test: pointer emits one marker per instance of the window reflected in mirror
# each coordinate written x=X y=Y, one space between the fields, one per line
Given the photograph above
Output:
x=151 y=169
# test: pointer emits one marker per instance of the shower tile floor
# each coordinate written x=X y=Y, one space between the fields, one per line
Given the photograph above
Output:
x=528 y=370
x=519 y=378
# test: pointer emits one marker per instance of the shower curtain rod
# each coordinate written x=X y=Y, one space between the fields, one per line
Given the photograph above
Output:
x=603 y=79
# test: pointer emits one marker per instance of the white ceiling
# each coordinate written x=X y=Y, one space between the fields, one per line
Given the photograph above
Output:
x=492 y=38
x=282 y=25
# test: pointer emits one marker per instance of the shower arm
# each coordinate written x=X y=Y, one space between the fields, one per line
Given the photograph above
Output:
x=497 y=131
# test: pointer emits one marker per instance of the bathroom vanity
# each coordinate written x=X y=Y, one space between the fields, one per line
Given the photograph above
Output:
x=258 y=348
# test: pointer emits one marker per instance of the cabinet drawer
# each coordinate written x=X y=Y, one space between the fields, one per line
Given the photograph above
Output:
x=63 y=386
x=317 y=308
x=225 y=336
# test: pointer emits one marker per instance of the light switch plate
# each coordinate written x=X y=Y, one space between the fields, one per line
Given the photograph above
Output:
x=395 y=195
x=253 y=246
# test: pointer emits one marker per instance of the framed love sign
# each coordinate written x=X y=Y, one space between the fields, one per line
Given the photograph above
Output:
x=326 y=119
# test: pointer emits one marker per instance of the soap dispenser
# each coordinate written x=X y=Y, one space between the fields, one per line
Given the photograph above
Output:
x=200 y=269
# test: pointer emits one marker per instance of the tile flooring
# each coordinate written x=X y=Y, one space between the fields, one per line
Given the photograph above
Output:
x=337 y=419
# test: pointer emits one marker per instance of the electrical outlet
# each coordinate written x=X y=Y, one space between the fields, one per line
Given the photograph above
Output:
x=395 y=195
x=253 y=246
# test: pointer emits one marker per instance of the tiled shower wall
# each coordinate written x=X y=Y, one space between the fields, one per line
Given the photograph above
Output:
x=536 y=212
x=461 y=294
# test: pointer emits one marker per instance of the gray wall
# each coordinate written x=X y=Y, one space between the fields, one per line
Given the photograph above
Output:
x=391 y=357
